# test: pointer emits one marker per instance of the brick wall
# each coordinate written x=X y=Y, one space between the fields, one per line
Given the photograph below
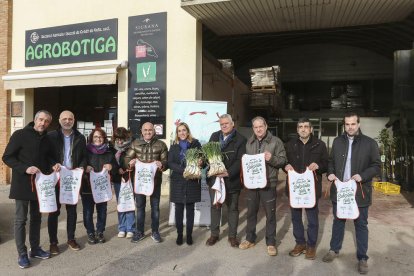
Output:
x=5 y=62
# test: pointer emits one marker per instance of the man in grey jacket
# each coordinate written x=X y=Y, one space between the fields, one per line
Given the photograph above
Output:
x=353 y=156
x=262 y=141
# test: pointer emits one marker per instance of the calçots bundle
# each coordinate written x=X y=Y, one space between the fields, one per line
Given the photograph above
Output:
x=192 y=169
x=213 y=154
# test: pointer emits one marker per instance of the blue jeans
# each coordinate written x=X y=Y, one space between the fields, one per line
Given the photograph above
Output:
x=126 y=220
x=88 y=210
x=141 y=201
x=361 y=232
x=313 y=225
x=22 y=208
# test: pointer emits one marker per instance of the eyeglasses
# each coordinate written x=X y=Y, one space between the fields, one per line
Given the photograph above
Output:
x=97 y=137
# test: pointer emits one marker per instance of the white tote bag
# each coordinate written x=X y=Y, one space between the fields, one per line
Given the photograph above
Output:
x=126 y=201
x=302 y=192
x=70 y=184
x=346 y=207
x=254 y=171
x=144 y=178
x=220 y=191
x=101 y=186
x=46 y=194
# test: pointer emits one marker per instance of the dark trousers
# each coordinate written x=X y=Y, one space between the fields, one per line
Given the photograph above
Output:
x=232 y=202
x=361 y=232
x=313 y=225
x=20 y=218
x=52 y=222
x=267 y=197
x=88 y=210
x=140 y=202
x=179 y=217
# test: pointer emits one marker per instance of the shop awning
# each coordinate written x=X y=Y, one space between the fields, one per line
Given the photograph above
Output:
x=70 y=75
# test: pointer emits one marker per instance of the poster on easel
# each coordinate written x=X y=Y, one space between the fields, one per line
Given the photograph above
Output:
x=202 y=118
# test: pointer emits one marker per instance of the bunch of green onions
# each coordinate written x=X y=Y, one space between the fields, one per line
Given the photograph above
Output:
x=192 y=169
x=212 y=152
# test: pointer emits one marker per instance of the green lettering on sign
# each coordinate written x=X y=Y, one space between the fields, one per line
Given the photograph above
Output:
x=56 y=50
x=65 y=49
x=110 y=43
x=38 y=52
x=30 y=53
x=46 y=51
x=76 y=48
x=71 y=48
x=99 y=46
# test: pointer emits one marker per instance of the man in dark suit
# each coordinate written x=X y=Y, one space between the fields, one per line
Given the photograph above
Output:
x=233 y=146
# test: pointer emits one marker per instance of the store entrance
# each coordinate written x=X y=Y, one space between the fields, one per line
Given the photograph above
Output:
x=89 y=103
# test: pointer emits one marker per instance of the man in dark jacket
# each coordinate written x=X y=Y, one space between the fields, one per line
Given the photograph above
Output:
x=233 y=146
x=148 y=149
x=306 y=151
x=70 y=146
x=262 y=141
x=28 y=152
x=353 y=156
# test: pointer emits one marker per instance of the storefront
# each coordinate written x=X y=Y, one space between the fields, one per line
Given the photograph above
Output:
x=120 y=64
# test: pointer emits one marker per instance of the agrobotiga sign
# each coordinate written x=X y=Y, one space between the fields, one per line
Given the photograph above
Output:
x=90 y=41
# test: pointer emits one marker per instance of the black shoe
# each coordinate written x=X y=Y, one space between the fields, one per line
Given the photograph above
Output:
x=91 y=238
x=179 y=240
x=189 y=239
x=138 y=236
x=156 y=237
x=101 y=238
x=23 y=261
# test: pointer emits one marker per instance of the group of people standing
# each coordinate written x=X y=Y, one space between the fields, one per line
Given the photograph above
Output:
x=32 y=150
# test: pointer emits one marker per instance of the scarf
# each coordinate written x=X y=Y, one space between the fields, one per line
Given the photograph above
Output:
x=223 y=143
x=97 y=149
x=184 y=145
x=121 y=148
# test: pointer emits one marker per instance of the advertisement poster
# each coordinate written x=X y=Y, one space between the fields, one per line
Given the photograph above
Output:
x=83 y=42
x=147 y=58
x=202 y=118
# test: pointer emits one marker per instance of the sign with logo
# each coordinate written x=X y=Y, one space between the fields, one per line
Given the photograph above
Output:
x=83 y=42
x=147 y=58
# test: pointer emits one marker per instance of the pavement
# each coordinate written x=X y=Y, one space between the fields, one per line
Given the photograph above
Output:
x=391 y=245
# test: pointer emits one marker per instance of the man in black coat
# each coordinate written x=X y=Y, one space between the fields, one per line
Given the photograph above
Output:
x=233 y=146
x=28 y=152
x=353 y=156
x=306 y=151
x=70 y=146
